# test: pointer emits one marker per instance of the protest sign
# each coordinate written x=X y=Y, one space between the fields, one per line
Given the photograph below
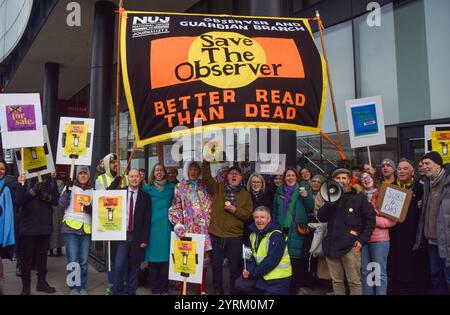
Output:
x=21 y=120
x=109 y=215
x=393 y=202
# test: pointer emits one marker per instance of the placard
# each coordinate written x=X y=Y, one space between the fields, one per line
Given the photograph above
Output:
x=109 y=215
x=37 y=159
x=21 y=120
x=365 y=122
x=75 y=140
x=393 y=202
x=186 y=257
x=428 y=129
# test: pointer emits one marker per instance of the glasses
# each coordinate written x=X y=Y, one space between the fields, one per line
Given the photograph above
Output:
x=366 y=178
x=235 y=174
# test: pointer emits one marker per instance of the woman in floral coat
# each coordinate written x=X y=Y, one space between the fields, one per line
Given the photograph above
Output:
x=190 y=211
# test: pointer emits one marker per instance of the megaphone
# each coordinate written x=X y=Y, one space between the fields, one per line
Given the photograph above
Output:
x=331 y=191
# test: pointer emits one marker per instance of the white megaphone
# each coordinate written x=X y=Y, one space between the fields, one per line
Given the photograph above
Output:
x=331 y=191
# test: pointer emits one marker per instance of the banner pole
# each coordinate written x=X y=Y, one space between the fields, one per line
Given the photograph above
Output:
x=330 y=85
x=72 y=168
x=368 y=154
x=129 y=160
x=109 y=256
x=23 y=163
x=121 y=9
x=184 y=286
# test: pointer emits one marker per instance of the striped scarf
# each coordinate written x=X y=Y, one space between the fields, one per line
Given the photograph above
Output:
x=231 y=191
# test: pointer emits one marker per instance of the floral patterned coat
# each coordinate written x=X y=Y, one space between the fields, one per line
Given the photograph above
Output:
x=191 y=210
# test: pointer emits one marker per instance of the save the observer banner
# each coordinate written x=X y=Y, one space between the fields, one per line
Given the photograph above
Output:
x=225 y=70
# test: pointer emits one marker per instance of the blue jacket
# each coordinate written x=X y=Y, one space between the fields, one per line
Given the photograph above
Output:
x=159 y=239
x=277 y=244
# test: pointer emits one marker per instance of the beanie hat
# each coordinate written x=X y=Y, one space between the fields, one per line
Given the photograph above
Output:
x=83 y=168
x=434 y=156
x=390 y=163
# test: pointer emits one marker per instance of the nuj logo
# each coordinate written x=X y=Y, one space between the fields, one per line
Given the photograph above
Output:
x=150 y=20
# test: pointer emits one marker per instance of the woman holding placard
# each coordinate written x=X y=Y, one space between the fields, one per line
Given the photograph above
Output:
x=377 y=249
x=191 y=211
x=76 y=201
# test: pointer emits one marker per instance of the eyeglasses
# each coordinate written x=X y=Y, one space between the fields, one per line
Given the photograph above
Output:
x=366 y=178
x=235 y=174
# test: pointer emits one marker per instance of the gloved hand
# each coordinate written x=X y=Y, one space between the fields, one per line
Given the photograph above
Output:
x=36 y=188
x=116 y=182
x=69 y=185
x=45 y=196
x=87 y=208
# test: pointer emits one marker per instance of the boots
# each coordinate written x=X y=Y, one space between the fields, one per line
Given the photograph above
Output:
x=26 y=289
x=43 y=286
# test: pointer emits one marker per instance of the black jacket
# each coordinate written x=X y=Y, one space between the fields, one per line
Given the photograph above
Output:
x=350 y=215
x=36 y=201
x=141 y=230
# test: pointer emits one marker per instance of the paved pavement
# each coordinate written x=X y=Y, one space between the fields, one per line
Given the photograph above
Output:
x=97 y=281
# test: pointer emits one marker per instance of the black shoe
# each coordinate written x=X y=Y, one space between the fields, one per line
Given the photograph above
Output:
x=58 y=252
x=50 y=253
x=25 y=291
x=43 y=286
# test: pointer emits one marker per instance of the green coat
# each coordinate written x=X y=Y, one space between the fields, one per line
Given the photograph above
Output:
x=223 y=223
x=159 y=239
x=297 y=212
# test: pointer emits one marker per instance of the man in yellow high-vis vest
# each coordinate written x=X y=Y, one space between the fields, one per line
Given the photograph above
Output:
x=269 y=269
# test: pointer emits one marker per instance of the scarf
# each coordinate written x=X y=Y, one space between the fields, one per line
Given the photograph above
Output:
x=194 y=183
x=231 y=191
x=288 y=190
x=257 y=195
x=159 y=184
x=406 y=185
x=369 y=193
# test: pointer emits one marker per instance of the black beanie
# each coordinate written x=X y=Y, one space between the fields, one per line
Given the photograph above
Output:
x=434 y=156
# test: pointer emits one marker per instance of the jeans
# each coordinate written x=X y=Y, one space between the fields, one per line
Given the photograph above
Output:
x=124 y=270
x=375 y=252
x=347 y=266
x=77 y=250
x=230 y=247
x=440 y=274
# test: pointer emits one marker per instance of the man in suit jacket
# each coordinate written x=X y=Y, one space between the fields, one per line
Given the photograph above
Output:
x=129 y=254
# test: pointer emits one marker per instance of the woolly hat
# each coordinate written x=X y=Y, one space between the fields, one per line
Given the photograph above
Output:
x=390 y=163
x=434 y=156
x=83 y=168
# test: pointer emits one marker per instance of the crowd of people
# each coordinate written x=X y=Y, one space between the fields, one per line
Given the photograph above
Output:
x=358 y=250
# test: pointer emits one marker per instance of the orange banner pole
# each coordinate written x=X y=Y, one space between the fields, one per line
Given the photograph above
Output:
x=338 y=148
x=129 y=160
x=120 y=12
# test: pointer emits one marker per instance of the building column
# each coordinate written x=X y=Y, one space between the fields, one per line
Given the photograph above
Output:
x=50 y=98
x=281 y=8
x=100 y=98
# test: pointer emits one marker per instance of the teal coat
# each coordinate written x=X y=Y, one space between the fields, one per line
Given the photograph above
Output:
x=299 y=208
x=159 y=239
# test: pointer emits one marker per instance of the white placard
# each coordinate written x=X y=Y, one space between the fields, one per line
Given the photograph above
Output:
x=180 y=259
x=61 y=157
x=109 y=221
x=365 y=122
x=393 y=202
x=275 y=166
x=427 y=132
x=50 y=167
x=21 y=120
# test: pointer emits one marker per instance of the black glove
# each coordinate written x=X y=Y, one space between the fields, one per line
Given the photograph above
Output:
x=69 y=184
x=116 y=182
x=36 y=189
x=87 y=209
x=45 y=196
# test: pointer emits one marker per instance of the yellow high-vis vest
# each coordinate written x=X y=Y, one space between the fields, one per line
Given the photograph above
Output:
x=283 y=270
